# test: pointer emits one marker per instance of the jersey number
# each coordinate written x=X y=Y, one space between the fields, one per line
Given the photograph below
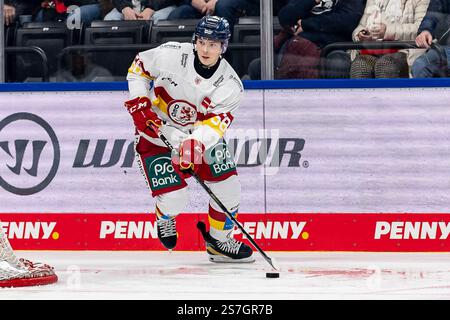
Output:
x=221 y=122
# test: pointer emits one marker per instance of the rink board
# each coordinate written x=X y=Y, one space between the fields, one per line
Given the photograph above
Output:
x=369 y=155
x=273 y=232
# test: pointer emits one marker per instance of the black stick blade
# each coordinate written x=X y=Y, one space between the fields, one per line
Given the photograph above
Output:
x=202 y=228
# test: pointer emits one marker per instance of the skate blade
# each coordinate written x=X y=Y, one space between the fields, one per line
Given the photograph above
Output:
x=224 y=259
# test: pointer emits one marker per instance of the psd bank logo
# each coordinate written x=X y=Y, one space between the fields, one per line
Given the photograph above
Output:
x=29 y=154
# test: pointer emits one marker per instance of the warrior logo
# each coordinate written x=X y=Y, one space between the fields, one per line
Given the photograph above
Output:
x=182 y=112
x=32 y=144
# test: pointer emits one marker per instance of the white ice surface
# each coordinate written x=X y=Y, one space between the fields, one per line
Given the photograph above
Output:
x=189 y=275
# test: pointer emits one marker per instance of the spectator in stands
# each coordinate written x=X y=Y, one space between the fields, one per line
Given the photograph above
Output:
x=385 y=20
x=435 y=61
x=228 y=9
x=82 y=69
x=106 y=6
x=13 y=9
x=309 y=25
x=87 y=11
x=142 y=9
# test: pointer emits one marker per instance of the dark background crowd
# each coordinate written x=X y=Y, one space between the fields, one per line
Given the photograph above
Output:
x=312 y=38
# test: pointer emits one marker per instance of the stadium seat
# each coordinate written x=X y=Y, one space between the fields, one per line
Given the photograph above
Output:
x=121 y=23
x=248 y=31
x=143 y=25
x=114 y=34
x=75 y=33
x=173 y=30
x=48 y=24
x=6 y=35
x=50 y=37
x=121 y=33
x=11 y=61
x=10 y=32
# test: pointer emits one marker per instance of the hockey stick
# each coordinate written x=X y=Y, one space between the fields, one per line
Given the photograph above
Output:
x=219 y=203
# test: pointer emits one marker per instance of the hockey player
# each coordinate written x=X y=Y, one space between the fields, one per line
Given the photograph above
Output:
x=194 y=95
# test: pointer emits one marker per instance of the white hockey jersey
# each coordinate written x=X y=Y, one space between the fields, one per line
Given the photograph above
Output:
x=201 y=108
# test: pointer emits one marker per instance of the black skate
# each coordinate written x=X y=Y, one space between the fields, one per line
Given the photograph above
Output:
x=229 y=251
x=167 y=232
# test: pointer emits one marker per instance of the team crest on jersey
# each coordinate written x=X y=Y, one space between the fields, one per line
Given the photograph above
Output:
x=182 y=112
x=197 y=80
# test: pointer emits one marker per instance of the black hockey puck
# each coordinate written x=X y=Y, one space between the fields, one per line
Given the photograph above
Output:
x=272 y=274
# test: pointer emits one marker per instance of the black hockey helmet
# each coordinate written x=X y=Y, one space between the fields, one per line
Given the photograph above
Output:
x=214 y=28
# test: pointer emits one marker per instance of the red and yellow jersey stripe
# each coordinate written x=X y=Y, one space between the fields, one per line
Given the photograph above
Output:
x=137 y=68
x=218 y=122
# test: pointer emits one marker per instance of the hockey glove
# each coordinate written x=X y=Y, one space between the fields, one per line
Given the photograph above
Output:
x=142 y=115
x=189 y=158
